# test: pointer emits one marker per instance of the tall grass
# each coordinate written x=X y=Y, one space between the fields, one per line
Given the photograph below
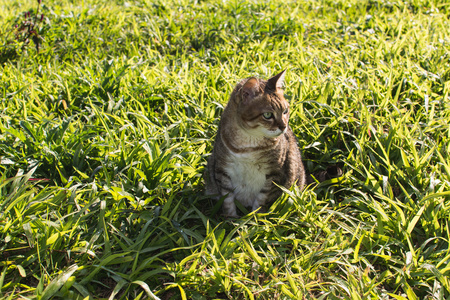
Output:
x=105 y=134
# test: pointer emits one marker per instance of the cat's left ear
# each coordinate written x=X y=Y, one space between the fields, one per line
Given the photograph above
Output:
x=276 y=82
x=250 y=90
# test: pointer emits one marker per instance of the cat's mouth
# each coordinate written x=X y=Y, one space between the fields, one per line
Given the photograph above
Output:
x=275 y=133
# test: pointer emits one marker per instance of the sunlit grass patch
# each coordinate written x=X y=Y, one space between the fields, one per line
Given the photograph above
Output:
x=105 y=134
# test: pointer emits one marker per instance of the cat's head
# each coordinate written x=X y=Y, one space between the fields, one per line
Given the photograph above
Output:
x=262 y=109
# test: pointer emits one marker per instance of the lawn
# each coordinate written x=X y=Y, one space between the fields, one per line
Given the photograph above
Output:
x=109 y=110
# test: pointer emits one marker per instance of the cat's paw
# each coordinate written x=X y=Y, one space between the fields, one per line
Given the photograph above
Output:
x=229 y=208
x=230 y=212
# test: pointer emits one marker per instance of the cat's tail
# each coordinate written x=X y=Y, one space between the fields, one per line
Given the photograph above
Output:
x=320 y=176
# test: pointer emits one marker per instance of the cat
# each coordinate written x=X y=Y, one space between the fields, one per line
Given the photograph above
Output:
x=254 y=147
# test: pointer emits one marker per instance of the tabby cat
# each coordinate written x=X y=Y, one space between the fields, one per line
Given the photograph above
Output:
x=254 y=147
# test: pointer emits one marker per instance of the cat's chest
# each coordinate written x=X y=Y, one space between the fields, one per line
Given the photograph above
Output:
x=247 y=173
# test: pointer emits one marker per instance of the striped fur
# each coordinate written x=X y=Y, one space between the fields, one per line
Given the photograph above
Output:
x=254 y=147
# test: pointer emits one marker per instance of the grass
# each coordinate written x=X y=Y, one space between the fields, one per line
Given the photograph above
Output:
x=105 y=134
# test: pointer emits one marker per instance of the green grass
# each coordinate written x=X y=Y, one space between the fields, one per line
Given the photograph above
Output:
x=105 y=132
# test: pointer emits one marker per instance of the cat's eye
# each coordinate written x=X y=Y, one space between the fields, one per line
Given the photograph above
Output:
x=267 y=115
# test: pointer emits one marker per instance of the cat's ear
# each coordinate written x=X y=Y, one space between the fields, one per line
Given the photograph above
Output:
x=250 y=89
x=276 y=82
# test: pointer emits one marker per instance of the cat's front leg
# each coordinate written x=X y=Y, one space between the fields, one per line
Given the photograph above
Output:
x=259 y=202
x=229 y=208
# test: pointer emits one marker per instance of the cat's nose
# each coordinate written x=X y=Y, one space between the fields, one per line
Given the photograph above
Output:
x=282 y=127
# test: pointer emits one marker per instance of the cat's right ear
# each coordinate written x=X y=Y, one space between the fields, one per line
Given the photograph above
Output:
x=250 y=90
x=276 y=82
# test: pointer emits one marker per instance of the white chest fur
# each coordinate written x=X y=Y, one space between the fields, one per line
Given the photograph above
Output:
x=248 y=176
